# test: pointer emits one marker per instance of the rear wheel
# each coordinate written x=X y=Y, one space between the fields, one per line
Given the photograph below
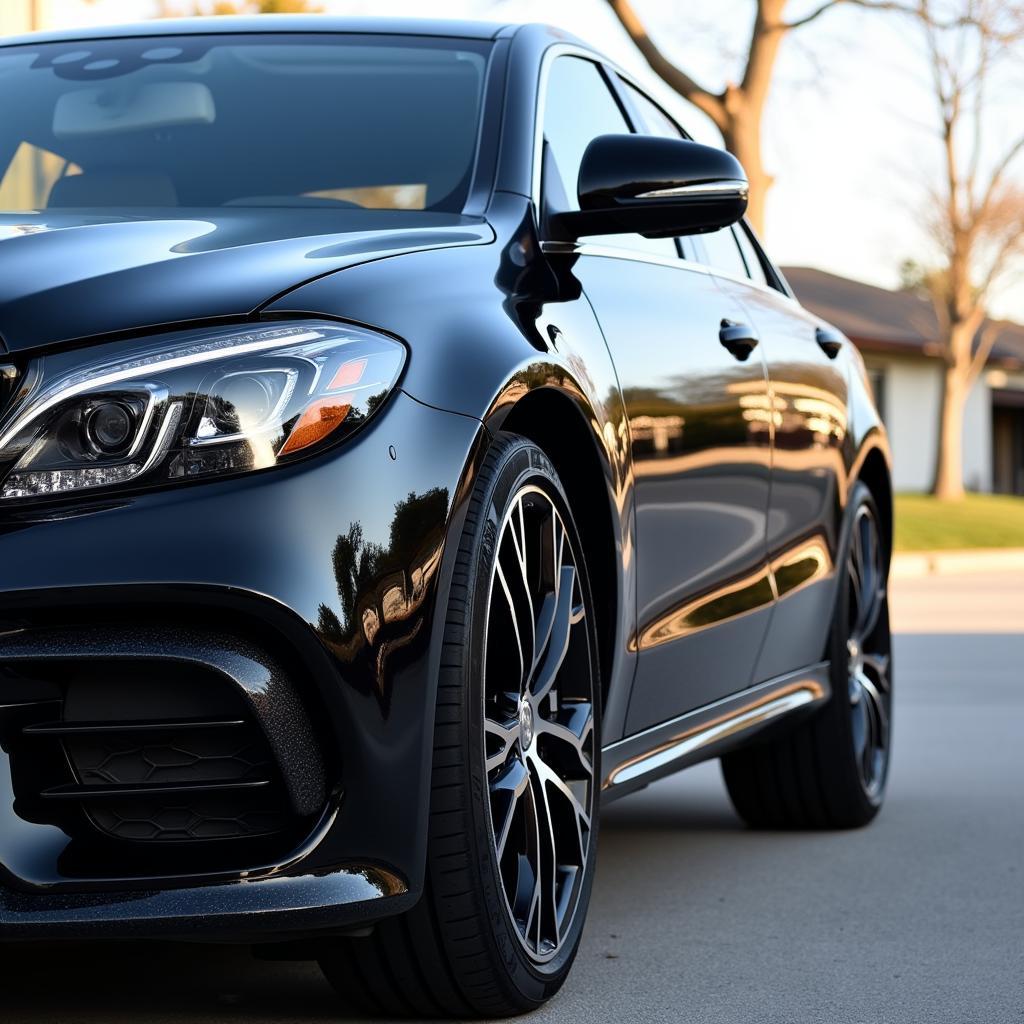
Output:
x=830 y=771
x=516 y=760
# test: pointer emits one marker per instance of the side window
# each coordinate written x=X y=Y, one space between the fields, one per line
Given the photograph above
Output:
x=652 y=120
x=754 y=267
x=578 y=107
x=723 y=253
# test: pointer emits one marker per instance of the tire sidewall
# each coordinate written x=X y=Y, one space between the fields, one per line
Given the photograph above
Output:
x=521 y=463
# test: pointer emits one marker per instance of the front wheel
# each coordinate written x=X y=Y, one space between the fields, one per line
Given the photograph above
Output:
x=513 y=822
x=831 y=770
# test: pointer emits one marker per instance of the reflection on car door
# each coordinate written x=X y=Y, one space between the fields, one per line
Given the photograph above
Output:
x=808 y=404
x=701 y=457
x=809 y=399
x=699 y=435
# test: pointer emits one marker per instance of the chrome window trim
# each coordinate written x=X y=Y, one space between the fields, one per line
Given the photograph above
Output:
x=551 y=54
x=620 y=253
x=750 y=283
x=639 y=256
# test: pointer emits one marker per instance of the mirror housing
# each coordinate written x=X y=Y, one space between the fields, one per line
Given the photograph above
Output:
x=655 y=187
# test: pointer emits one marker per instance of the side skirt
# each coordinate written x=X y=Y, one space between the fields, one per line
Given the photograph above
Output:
x=710 y=731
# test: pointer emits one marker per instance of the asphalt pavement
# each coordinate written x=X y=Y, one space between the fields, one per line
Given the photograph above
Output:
x=918 y=918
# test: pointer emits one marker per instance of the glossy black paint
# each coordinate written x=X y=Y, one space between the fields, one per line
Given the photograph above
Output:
x=215 y=264
x=710 y=490
x=300 y=563
x=656 y=187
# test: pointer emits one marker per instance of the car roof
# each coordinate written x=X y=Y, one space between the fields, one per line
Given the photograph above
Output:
x=316 y=23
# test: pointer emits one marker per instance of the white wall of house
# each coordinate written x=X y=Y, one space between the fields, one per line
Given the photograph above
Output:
x=912 y=392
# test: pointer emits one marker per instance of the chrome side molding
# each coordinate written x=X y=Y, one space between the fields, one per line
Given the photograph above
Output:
x=709 y=731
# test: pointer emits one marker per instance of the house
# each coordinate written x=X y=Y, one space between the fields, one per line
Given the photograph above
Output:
x=897 y=333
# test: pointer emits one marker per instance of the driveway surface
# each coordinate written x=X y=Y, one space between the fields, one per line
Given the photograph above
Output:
x=919 y=918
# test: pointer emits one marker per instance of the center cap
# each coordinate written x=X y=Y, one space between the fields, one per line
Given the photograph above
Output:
x=525 y=725
x=853 y=648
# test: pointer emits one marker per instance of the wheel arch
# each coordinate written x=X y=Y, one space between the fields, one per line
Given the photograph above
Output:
x=557 y=424
x=873 y=471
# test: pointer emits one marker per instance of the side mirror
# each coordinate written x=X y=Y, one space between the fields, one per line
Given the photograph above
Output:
x=656 y=187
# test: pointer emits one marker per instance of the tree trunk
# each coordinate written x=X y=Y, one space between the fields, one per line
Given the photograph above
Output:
x=742 y=138
x=949 y=465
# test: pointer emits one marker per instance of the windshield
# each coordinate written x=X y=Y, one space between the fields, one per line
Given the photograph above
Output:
x=239 y=121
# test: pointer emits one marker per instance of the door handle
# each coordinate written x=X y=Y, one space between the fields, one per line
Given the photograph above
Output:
x=739 y=339
x=830 y=341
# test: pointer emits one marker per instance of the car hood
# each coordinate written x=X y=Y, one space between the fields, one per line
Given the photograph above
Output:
x=71 y=275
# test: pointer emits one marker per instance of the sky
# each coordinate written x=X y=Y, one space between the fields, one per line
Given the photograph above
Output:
x=848 y=131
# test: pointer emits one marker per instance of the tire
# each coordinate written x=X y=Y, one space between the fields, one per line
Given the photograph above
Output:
x=830 y=771
x=509 y=758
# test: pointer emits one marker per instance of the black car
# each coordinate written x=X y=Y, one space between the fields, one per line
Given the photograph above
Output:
x=405 y=448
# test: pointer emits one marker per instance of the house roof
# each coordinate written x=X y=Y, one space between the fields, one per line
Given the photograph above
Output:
x=877 y=319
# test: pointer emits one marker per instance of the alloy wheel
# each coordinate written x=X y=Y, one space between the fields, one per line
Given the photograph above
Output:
x=538 y=712
x=869 y=654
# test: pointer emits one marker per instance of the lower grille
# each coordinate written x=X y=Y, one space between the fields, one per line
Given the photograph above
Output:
x=150 y=766
x=156 y=781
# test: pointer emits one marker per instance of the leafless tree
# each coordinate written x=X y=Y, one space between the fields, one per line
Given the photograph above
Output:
x=975 y=213
x=738 y=109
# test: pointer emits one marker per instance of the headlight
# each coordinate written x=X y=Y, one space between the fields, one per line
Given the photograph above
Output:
x=207 y=403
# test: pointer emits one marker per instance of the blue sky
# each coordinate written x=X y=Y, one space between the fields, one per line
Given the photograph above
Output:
x=847 y=133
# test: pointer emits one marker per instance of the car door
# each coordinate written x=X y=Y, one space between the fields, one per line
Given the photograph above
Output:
x=807 y=372
x=698 y=432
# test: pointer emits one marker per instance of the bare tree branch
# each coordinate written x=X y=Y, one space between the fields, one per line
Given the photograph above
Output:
x=875 y=5
x=986 y=340
x=999 y=173
x=738 y=110
x=710 y=103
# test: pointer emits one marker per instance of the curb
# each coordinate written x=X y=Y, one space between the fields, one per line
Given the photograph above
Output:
x=915 y=564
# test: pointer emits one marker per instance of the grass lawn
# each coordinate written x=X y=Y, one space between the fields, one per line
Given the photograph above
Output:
x=979 y=521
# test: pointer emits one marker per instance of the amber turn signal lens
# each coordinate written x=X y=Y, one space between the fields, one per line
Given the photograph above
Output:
x=319 y=419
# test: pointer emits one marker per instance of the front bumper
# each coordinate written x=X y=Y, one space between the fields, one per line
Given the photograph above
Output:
x=328 y=576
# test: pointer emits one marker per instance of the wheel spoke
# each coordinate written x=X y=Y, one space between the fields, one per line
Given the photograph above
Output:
x=879 y=664
x=517 y=533
x=506 y=792
x=561 y=629
x=531 y=891
x=524 y=896
x=581 y=820
x=873 y=610
x=857 y=559
x=571 y=738
x=504 y=733
x=866 y=576
x=516 y=631
x=877 y=709
x=548 y=874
